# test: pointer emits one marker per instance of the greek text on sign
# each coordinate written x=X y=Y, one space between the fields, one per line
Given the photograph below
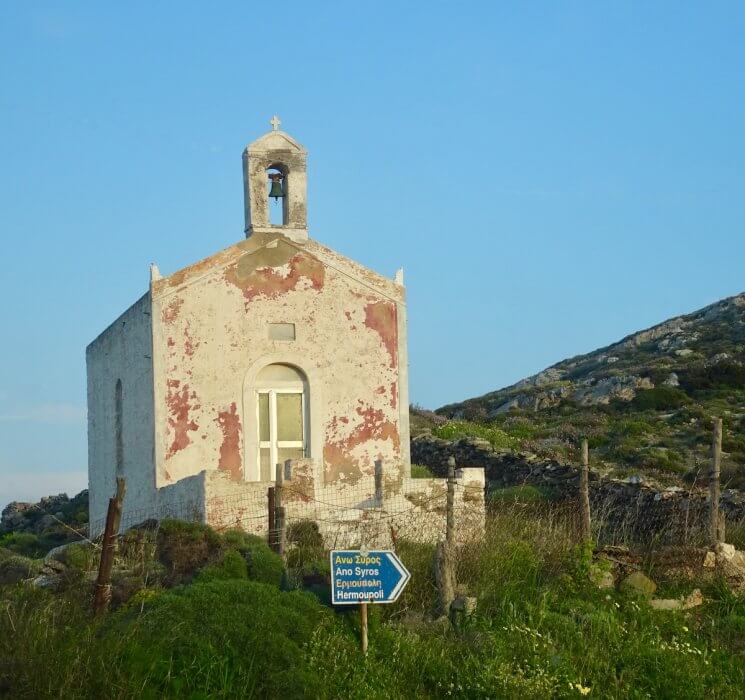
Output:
x=366 y=577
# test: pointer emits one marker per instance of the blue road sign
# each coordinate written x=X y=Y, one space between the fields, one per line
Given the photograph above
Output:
x=366 y=577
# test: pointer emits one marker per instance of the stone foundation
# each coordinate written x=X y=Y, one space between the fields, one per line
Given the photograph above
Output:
x=348 y=515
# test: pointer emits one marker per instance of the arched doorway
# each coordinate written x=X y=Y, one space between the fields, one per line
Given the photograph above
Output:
x=281 y=395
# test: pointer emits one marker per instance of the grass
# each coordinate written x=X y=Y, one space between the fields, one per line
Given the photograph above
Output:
x=541 y=629
x=419 y=471
x=496 y=436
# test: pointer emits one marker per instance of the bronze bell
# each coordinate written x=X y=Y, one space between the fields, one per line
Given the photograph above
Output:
x=276 y=190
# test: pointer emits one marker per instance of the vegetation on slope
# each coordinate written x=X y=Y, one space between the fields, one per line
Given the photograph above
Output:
x=646 y=403
x=541 y=629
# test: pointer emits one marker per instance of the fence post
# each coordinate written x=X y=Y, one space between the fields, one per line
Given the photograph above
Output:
x=363 y=627
x=584 y=493
x=444 y=576
x=445 y=552
x=450 y=518
x=102 y=591
x=715 y=533
x=379 y=482
x=271 y=523
x=279 y=510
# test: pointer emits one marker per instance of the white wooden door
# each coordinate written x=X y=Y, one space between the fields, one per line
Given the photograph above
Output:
x=281 y=429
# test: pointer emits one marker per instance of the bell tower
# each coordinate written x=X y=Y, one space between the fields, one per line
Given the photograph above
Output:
x=278 y=160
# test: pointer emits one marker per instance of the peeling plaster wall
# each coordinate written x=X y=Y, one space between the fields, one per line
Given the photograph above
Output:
x=210 y=337
x=122 y=351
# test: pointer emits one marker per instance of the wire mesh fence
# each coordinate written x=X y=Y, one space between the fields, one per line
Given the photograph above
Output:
x=358 y=516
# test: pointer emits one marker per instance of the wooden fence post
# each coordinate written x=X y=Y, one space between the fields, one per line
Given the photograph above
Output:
x=716 y=533
x=444 y=576
x=279 y=510
x=363 y=628
x=379 y=482
x=102 y=590
x=444 y=563
x=584 y=493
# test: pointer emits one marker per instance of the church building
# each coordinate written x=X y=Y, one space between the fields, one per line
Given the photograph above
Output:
x=275 y=348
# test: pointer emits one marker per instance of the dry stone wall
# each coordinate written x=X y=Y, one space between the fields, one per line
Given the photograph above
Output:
x=629 y=510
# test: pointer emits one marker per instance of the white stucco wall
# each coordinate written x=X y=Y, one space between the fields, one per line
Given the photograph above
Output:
x=210 y=338
x=123 y=351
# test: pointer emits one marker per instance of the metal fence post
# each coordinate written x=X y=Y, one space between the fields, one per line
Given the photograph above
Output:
x=271 y=519
x=716 y=533
x=279 y=510
x=584 y=493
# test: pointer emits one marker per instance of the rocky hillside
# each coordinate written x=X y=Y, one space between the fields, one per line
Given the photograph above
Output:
x=645 y=402
x=32 y=529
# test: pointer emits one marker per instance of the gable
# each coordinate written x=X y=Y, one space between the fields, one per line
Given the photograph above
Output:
x=251 y=266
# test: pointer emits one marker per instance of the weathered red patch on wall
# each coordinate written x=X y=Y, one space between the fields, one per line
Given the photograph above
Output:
x=381 y=317
x=170 y=313
x=271 y=282
x=230 y=450
x=179 y=422
x=337 y=453
x=189 y=343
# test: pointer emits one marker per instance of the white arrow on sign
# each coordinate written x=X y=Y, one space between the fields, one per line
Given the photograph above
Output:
x=405 y=576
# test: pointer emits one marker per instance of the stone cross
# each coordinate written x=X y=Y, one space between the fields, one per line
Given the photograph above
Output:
x=275 y=122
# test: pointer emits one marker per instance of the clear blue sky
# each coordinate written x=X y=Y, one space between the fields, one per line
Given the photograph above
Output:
x=552 y=176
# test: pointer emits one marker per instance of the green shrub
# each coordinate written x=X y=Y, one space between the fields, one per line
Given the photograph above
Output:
x=307 y=559
x=722 y=375
x=16 y=568
x=185 y=547
x=633 y=427
x=263 y=564
x=305 y=533
x=661 y=398
x=663 y=459
x=455 y=430
x=222 y=639
x=78 y=556
x=24 y=543
x=232 y=566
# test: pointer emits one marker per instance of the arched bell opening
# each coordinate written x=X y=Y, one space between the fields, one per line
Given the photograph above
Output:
x=278 y=181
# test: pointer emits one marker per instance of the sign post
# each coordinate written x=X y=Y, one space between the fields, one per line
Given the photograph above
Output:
x=359 y=577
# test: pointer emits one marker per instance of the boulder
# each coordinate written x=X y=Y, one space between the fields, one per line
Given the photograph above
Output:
x=638 y=584
x=684 y=603
x=461 y=608
x=693 y=600
x=44 y=581
x=725 y=552
x=52 y=567
x=601 y=577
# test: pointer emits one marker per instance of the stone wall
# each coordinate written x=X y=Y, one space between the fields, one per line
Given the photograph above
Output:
x=623 y=510
x=347 y=515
